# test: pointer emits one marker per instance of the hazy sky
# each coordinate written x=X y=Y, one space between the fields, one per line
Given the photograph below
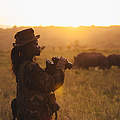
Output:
x=60 y=12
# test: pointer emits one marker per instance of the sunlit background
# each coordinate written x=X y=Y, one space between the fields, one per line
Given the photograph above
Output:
x=59 y=12
x=87 y=94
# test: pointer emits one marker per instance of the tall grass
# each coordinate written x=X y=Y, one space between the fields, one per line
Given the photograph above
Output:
x=86 y=94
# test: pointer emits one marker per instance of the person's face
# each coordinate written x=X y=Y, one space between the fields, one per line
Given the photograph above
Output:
x=32 y=49
x=36 y=48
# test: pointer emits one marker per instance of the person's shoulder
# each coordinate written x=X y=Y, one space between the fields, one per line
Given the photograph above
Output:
x=32 y=66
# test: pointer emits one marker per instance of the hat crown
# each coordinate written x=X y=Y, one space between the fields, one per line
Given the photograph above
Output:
x=24 y=34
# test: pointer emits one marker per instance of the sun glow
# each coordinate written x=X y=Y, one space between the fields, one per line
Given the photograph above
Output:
x=59 y=12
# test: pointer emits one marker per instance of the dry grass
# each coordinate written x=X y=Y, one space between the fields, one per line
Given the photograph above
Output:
x=86 y=94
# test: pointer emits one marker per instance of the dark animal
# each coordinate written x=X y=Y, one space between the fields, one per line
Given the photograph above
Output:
x=14 y=108
x=92 y=59
x=114 y=60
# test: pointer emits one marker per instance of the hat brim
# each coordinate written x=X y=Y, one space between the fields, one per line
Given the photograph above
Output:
x=22 y=44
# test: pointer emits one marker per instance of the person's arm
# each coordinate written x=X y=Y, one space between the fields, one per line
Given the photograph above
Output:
x=38 y=79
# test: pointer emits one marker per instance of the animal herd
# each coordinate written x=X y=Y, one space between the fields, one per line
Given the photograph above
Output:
x=86 y=60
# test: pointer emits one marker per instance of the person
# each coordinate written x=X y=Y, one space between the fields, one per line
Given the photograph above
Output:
x=35 y=96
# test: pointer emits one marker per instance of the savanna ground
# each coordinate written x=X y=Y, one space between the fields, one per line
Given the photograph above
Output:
x=86 y=94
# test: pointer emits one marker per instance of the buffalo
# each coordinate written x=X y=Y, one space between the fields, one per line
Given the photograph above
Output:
x=90 y=59
x=114 y=60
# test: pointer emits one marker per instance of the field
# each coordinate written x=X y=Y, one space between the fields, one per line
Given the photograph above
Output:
x=86 y=94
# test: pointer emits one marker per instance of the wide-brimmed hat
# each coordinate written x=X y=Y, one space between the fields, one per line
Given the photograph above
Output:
x=24 y=37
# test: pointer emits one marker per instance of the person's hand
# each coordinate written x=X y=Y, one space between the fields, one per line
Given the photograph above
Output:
x=61 y=63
